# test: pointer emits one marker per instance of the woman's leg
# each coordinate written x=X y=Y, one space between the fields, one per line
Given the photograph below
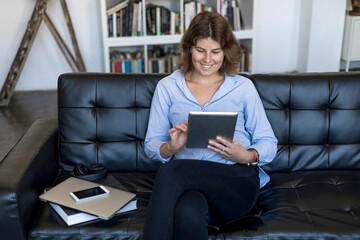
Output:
x=230 y=190
x=191 y=216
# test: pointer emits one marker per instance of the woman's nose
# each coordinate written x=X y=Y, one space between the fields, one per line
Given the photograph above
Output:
x=207 y=57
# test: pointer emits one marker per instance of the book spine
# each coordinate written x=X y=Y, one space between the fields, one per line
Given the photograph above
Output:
x=153 y=20
x=158 y=21
x=230 y=15
x=118 y=23
x=130 y=20
x=110 y=26
x=148 y=21
x=135 y=18
x=139 y=25
x=172 y=23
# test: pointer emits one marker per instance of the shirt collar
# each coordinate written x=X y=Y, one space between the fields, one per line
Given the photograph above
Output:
x=228 y=84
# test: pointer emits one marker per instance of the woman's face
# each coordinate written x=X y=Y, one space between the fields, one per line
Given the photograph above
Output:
x=207 y=57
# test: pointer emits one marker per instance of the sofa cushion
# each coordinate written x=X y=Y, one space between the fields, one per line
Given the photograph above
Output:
x=103 y=119
x=315 y=118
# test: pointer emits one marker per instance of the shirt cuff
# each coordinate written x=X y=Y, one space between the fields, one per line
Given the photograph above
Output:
x=164 y=160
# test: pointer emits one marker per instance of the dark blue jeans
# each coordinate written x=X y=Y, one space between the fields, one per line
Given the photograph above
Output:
x=190 y=194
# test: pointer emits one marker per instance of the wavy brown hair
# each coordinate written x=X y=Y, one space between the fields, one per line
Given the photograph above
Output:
x=211 y=25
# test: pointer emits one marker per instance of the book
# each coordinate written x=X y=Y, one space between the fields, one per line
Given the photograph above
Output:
x=158 y=21
x=71 y=216
x=139 y=20
x=110 y=24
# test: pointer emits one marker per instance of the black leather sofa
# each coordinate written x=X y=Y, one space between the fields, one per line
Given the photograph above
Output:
x=314 y=192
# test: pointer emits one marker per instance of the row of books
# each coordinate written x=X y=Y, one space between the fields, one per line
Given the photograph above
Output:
x=126 y=18
x=161 y=21
x=160 y=60
x=128 y=66
x=229 y=9
x=165 y=64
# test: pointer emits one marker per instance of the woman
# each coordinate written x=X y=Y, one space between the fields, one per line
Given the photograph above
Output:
x=197 y=187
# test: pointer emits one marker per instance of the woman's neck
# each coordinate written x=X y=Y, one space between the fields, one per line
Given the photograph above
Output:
x=203 y=88
x=205 y=80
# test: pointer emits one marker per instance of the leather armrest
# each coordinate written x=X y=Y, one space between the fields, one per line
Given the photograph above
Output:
x=26 y=170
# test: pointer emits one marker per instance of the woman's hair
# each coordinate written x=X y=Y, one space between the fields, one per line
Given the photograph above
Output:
x=211 y=25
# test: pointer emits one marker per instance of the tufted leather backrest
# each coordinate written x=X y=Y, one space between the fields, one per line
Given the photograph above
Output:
x=103 y=119
x=315 y=118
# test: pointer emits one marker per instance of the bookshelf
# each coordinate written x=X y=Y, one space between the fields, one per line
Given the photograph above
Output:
x=144 y=42
x=351 y=48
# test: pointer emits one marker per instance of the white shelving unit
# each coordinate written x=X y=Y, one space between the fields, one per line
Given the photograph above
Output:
x=245 y=36
x=351 y=46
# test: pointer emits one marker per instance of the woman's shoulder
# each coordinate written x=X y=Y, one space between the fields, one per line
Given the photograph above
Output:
x=171 y=82
x=171 y=79
x=239 y=80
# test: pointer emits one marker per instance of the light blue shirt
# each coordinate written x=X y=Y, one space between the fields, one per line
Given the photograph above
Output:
x=172 y=102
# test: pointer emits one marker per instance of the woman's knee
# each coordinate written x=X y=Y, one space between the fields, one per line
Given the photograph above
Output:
x=192 y=204
x=191 y=216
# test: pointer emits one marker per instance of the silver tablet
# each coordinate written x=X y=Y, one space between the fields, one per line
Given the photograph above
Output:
x=204 y=126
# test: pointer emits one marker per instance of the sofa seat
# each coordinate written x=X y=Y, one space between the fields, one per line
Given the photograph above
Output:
x=295 y=205
x=304 y=205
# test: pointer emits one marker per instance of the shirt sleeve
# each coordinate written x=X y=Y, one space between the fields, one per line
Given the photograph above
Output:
x=257 y=125
x=159 y=123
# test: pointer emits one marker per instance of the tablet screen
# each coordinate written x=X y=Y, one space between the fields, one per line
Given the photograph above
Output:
x=204 y=126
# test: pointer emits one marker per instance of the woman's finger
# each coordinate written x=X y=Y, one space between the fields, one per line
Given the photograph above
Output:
x=216 y=144
x=223 y=141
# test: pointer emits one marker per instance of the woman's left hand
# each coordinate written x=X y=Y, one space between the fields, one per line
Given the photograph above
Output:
x=233 y=151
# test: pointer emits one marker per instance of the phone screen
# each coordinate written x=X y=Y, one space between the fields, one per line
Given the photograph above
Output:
x=86 y=193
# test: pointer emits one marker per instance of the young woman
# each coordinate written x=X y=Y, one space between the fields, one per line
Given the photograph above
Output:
x=197 y=187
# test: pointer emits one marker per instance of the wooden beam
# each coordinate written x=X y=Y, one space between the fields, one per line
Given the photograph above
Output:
x=39 y=13
x=22 y=53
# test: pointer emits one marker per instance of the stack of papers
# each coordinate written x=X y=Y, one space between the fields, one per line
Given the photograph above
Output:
x=119 y=201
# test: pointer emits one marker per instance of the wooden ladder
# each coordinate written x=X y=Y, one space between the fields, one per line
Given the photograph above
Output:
x=76 y=63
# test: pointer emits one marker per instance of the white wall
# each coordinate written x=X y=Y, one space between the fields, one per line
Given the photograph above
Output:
x=276 y=36
x=279 y=38
x=45 y=61
x=299 y=35
x=321 y=35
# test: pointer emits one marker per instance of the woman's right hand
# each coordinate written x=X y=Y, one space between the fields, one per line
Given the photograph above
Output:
x=178 y=135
